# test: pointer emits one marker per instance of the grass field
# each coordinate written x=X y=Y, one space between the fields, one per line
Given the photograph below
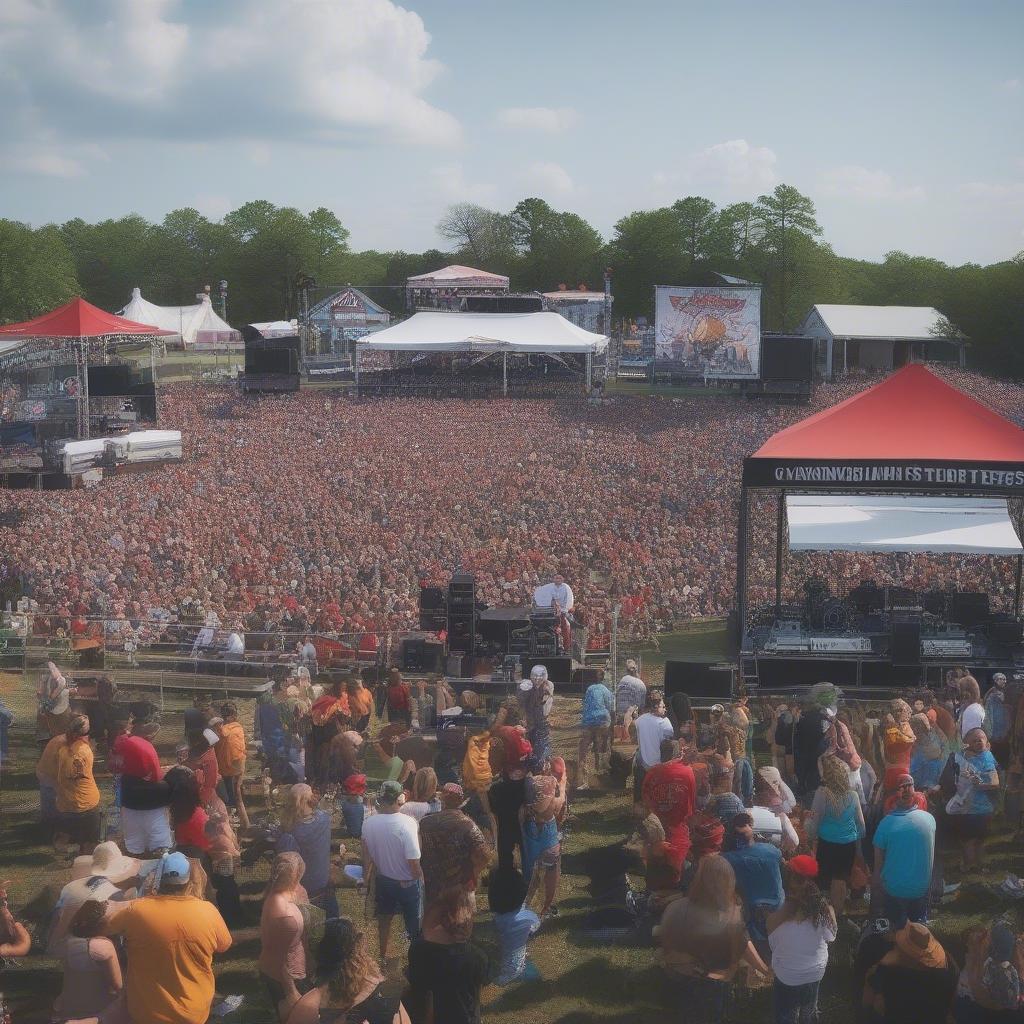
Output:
x=582 y=981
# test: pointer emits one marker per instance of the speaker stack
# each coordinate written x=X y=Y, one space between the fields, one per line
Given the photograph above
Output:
x=462 y=614
x=905 y=643
x=433 y=616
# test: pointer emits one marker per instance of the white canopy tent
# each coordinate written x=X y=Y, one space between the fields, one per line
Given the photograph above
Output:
x=886 y=523
x=198 y=325
x=487 y=334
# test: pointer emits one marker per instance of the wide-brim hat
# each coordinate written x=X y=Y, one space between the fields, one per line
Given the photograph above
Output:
x=108 y=861
x=917 y=942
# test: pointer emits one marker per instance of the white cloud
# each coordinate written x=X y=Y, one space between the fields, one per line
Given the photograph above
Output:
x=47 y=163
x=1012 y=85
x=255 y=70
x=994 y=191
x=213 y=206
x=727 y=168
x=549 y=120
x=548 y=178
x=452 y=185
x=852 y=181
x=736 y=164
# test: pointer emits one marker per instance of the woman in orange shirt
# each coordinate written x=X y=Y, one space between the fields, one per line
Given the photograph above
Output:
x=898 y=742
x=78 y=796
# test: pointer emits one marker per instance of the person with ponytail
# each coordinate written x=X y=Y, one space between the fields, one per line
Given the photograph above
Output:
x=348 y=987
x=282 y=962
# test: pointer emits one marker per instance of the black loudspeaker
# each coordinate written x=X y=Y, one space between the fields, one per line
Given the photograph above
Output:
x=969 y=609
x=1004 y=629
x=699 y=679
x=905 y=646
x=454 y=667
x=433 y=616
x=559 y=669
x=461 y=603
x=584 y=677
x=412 y=655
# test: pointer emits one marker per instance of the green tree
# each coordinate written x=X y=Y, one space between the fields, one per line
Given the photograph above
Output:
x=784 y=214
x=646 y=250
x=37 y=271
x=553 y=248
x=700 y=230
x=480 y=235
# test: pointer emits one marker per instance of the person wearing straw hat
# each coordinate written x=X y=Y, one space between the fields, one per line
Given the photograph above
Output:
x=914 y=982
x=106 y=874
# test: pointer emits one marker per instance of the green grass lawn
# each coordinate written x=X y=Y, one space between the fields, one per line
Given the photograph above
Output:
x=582 y=981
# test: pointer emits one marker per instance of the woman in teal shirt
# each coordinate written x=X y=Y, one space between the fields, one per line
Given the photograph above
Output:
x=837 y=822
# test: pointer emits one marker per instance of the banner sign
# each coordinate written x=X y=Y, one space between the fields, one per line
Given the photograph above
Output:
x=897 y=475
x=713 y=332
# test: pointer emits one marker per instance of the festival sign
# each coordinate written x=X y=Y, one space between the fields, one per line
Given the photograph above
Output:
x=897 y=475
x=713 y=332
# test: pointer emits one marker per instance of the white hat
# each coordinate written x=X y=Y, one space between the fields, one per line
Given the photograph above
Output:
x=211 y=737
x=719 y=708
x=108 y=861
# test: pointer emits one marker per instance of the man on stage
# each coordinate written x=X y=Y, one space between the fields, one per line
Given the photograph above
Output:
x=558 y=596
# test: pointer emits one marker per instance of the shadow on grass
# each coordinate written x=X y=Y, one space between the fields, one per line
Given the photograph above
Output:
x=594 y=981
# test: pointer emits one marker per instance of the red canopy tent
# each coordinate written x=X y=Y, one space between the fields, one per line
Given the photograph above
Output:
x=80 y=323
x=912 y=433
x=78 y=319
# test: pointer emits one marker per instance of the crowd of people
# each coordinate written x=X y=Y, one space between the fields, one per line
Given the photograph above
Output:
x=310 y=511
x=753 y=868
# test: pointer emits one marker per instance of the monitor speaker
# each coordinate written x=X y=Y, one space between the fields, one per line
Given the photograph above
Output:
x=700 y=679
x=905 y=645
x=559 y=669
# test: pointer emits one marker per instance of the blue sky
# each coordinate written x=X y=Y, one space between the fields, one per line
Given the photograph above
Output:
x=904 y=121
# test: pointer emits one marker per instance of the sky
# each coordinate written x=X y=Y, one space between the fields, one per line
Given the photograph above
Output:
x=904 y=122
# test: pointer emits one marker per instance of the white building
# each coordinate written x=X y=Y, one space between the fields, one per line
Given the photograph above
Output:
x=879 y=337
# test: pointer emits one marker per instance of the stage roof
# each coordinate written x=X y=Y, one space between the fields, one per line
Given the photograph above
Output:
x=78 y=319
x=917 y=323
x=540 y=333
x=911 y=415
x=831 y=522
x=456 y=276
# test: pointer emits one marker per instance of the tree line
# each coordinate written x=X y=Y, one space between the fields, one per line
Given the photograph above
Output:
x=264 y=251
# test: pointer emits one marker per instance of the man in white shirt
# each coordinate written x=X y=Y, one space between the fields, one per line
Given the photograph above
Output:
x=391 y=851
x=651 y=728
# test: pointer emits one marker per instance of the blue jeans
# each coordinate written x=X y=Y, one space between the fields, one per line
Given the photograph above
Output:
x=796 y=1004
x=327 y=900
x=394 y=897
x=900 y=910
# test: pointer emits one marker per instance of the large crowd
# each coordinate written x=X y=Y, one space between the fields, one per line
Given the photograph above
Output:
x=753 y=872
x=310 y=511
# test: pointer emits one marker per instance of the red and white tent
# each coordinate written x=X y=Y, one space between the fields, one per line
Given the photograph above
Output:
x=78 y=319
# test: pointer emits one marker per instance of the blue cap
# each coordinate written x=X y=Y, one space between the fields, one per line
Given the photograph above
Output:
x=175 y=867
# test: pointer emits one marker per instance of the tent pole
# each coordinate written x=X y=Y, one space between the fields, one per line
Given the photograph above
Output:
x=152 y=368
x=1016 y=596
x=779 y=528
x=355 y=349
x=504 y=373
x=741 y=570
x=85 y=387
x=590 y=360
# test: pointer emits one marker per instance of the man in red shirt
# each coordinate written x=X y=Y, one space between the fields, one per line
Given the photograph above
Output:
x=670 y=792
x=144 y=794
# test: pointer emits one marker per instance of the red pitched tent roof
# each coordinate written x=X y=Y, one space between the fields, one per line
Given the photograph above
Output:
x=78 y=319
x=910 y=415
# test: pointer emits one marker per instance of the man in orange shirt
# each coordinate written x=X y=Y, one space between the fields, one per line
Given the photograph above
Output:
x=231 y=759
x=170 y=939
x=78 y=796
x=46 y=773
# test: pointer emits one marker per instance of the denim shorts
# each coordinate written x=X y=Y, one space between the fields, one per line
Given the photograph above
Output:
x=394 y=897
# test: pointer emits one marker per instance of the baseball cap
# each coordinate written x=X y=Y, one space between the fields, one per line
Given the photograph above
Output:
x=175 y=868
x=804 y=865
x=389 y=792
x=719 y=708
